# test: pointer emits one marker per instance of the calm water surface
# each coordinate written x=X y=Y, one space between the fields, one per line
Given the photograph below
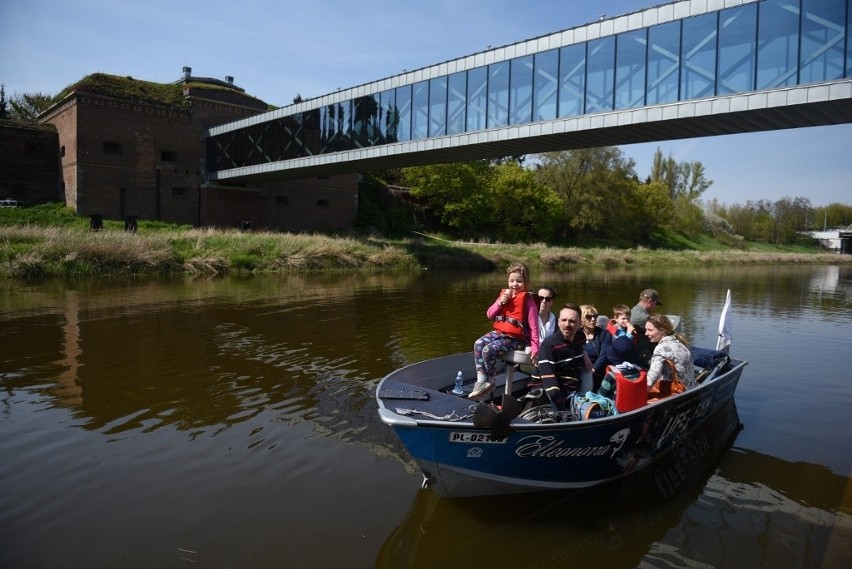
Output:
x=232 y=423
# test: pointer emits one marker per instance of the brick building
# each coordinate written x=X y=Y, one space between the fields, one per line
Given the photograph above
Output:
x=29 y=163
x=130 y=148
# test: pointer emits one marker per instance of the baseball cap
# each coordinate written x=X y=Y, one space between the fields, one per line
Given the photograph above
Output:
x=651 y=294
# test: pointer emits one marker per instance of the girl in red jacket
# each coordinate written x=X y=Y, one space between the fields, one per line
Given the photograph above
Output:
x=515 y=317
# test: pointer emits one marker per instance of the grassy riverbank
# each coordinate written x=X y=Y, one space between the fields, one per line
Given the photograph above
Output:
x=31 y=251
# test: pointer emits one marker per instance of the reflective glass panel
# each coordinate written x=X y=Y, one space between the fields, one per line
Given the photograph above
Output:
x=698 y=68
x=345 y=126
x=498 y=94
x=630 y=52
x=777 y=43
x=737 y=49
x=572 y=80
x=456 y=97
x=545 y=85
x=327 y=138
x=291 y=136
x=310 y=133
x=420 y=110
x=600 y=77
x=403 y=109
x=848 y=39
x=388 y=116
x=477 y=98
x=823 y=40
x=438 y=106
x=373 y=121
x=360 y=111
x=521 y=90
x=663 y=63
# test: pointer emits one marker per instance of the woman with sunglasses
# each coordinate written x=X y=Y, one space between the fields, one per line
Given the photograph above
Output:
x=598 y=341
x=546 y=318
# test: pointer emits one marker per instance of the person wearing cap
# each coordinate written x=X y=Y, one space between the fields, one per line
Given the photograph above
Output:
x=639 y=314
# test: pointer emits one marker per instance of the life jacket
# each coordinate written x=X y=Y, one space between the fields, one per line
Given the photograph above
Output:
x=630 y=394
x=512 y=319
x=612 y=328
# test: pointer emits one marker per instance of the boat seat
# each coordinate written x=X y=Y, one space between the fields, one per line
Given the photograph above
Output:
x=512 y=358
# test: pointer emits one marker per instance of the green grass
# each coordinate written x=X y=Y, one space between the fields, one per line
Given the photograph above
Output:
x=51 y=241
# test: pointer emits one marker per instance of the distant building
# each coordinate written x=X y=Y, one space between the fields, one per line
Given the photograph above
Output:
x=846 y=241
x=838 y=240
x=128 y=148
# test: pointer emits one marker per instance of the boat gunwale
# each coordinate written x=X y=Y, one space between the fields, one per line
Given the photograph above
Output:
x=395 y=419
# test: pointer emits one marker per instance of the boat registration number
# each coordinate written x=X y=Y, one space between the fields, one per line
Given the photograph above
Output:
x=475 y=438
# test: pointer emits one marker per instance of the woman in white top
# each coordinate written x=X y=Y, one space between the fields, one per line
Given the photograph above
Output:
x=546 y=319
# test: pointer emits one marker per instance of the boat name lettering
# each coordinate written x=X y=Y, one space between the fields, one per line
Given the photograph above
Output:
x=546 y=446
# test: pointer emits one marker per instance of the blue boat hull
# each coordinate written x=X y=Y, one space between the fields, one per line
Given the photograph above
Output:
x=459 y=460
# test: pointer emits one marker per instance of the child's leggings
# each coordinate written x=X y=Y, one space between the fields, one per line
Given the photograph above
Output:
x=487 y=348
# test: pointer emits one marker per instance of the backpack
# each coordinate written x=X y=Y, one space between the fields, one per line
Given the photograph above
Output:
x=590 y=406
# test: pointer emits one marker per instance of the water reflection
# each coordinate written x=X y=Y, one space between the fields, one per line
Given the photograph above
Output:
x=563 y=528
x=224 y=416
x=692 y=509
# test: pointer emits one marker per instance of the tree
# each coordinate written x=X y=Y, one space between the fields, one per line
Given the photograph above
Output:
x=524 y=210
x=593 y=184
x=685 y=182
x=685 y=179
x=456 y=194
x=833 y=215
x=27 y=107
x=654 y=209
x=498 y=200
x=4 y=112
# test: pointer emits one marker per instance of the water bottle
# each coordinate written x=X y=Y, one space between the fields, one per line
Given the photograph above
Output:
x=458 y=388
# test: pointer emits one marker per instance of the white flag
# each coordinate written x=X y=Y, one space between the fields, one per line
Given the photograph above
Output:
x=723 y=342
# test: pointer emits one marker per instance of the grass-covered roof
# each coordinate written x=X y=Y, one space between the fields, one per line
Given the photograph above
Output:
x=128 y=89
x=139 y=91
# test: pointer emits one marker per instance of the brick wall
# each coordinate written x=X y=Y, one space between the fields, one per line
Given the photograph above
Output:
x=29 y=169
x=124 y=158
x=319 y=204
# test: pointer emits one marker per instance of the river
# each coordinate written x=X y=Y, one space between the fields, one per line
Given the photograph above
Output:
x=232 y=423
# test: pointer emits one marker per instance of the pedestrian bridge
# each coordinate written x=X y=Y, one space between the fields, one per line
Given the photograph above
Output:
x=683 y=69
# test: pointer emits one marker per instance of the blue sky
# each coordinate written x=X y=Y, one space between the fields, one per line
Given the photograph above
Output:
x=276 y=49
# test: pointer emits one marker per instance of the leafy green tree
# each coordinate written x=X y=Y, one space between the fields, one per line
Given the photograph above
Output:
x=496 y=199
x=685 y=182
x=687 y=179
x=789 y=216
x=592 y=183
x=653 y=210
x=833 y=215
x=524 y=210
x=456 y=194
x=763 y=224
x=4 y=112
x=26 y=107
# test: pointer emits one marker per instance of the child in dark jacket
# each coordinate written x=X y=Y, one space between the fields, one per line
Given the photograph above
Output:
x=625 y=359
